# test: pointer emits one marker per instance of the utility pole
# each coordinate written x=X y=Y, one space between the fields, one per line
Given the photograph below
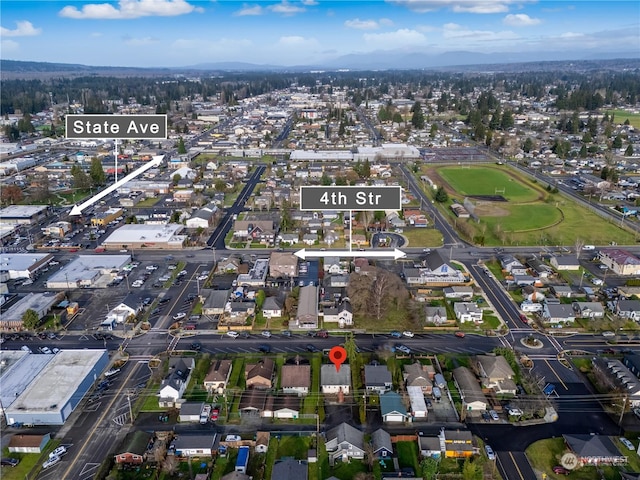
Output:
x=130 y=409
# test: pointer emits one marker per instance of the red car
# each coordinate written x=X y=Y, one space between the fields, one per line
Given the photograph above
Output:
x=214 y=414
x=524 y=318
x=560 y=470
x=459 y=334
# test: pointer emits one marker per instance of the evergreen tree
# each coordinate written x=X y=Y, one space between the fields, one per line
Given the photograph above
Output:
x=629 y=151
x=181 y=148
x=417 y=120
x=96 y=172
x=441 y=195
x=528 y=145
x=30 y=319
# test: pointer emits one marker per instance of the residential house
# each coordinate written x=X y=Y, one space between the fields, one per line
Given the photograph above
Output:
x=624 y=376
x=283 y=406
x=620 y=261
x=310 y=239
x=381 y=443
x=418 y=375
x=588 y=309
x=215 y=301
x=215 y=382
x=295 y=379
x=436 y=271
x=558 y=313
x=342 y=314
x=260 y=375
x=436 y=315
x=467 y=312
x=283 y=265
x=261 y=231
x=262 y=441
x=203 y=218
x=290 y=469
x=457 y=443
x=176 y=381
x=632 y=362
x=496 y=373
x=24 y=443
x=122 y=313
x=429 y=447
x=565 y=263
x=252 y=403
x=288 y=238
x=307 y=314
x=190 y=412
x=562 y=291
x=417 y=403
x=628 y=309
x=134 y=448
x=192 y=445
x=377 y=378
x=594 y=450
x=392 y=408
x=344 y=442
x=333 y=380
x=229 y=265
x=473 y=398
x=541 y=269
x=272 y=308
x=334 y=266
x=458 y=291
x=512 y=265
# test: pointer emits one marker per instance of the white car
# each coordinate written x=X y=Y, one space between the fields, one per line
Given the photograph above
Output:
x=490 y=453
x=608 y=334
x=266 y=333
x=232 y=438
x=152 y=267
x=51 y=461
x=407 y=333
x=172 y=267
x=494 y=415
x=58 y=452
x=232 y=334
x=46 y=350
x=515 y=412
x=137 y=284
x=179 y=315
x=627 y=443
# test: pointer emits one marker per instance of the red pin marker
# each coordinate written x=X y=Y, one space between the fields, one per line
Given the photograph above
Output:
x=337 y=355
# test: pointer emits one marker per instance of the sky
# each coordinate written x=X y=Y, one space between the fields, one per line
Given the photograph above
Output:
x=177 y=33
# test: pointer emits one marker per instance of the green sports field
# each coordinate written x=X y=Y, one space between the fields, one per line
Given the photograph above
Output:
x=484 y=180
x=620 y=116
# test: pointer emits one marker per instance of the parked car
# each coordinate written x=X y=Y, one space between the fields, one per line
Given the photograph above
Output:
x=232 y=438
x=9 y=462
x=46 y=350
x=287 y=333
x=214 y=414
x=196 y=346
x=51 y=462
x=311 y=348
x=408 y=334
x=490 y=453
x=486 y=417
x=164 y=300
x=396 y=334
x=232 y=334
x=58 y=452
x=560 y=470
x=627 y=443
x=459 y=334
x=266 y=333
x=264 y=348
x=608 y=334
x=179 y=315
x=494 y=415
x=403 y=349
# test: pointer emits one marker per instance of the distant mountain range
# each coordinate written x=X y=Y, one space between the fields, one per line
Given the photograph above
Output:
x=383 y=60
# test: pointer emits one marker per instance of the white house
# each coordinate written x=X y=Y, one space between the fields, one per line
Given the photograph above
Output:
x=176 y=381
x=333 y=381
x=467 y=312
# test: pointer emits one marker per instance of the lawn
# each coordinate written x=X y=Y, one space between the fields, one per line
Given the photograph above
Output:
x=485 y=180
x=408 y=455
x=147 y=202
x=619 y=117
x=422 y=237
x=545 y=454
x=348 y=471
x=523 y=218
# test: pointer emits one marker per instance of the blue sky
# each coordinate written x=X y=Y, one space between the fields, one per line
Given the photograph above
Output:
x=177 y=33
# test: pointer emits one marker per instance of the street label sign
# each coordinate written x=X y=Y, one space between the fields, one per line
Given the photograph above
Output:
x=350 y=198
x=134 y=127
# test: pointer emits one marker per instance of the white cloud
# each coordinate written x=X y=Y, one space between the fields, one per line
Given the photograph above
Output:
x=130 y=9
x=9 y=46
x=455 y=31
x=400 y=38
x=139 y=42
x=285 y=8
x=297 y=41
x=520 y=20
x=459 y=6
x=96 y=34
x=249 y=10
x=23 y=28
x=571 y=35
x=362 y=24
x=309 y=3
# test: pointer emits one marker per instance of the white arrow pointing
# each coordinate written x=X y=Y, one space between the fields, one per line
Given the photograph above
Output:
x=395 y=253
x=77 y=209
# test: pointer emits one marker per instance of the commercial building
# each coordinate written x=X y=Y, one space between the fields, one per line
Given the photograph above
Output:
x=17 y=369
x=88 y=271
x=57 y=229
x=23 y=214
x=22 y=265
x=58 y=388
x=41 y=303
x=104 y=218
x=146 y=236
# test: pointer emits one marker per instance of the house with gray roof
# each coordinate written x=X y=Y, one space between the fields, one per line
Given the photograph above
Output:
x=417 y=375
x=272 y=308
x=307 y=314
x=558 y=313
x=381 y=443
x=496 y=373
x=215 y=301
x=290 y=469
x=333 y=380
x=565 y=262
x=176 y=381
x=594 y=450
x=472 y=396
x=588 y=309
x=392 y=408
x=628 y=309
x=218 y=376
x=377 y=378
x=344 y=442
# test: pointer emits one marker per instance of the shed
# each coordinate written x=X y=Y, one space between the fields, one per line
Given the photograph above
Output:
x=28 y=443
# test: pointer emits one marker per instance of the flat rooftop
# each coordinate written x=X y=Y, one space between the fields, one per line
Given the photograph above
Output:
x=86 y=267
x=21 y=211
x=57 y=381
x=17 y=370
x=20 y=261
x=147 y=233
x=40 y=302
